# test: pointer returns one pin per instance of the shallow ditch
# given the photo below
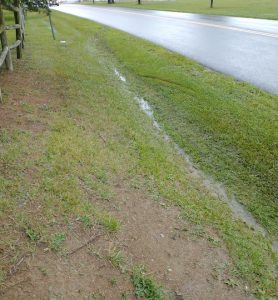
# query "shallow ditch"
(217, 189)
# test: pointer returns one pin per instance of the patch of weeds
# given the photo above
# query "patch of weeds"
(113, 282)
(26, 107)
(170, 177)
(145, 286)
(219, 271)
(190, 215)
(44, 107)
(136, 182)
(106, 195)
(262, 294)
(101, 175)
(86, 221)
(231, 282)
(198, 232)
(116, 258)
(110, 223)
(214, 242)
(25, 197)
(32, 234)
(56, 241)
(156, 196)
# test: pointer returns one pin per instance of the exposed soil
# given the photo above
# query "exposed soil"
(178, 255)
(187, 267)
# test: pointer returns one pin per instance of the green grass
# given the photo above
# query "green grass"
(96, 138)
(265, 9)
(57, 241)
(229, 128)
(144, 286)
(87, 222)
(116, 258)
(32, 234)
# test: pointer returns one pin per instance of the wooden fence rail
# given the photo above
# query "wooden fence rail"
(19, 27)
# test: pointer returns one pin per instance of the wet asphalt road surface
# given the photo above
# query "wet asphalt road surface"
(244, 48)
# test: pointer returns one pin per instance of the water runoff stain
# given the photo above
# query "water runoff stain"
(217, 189)
(119, 75)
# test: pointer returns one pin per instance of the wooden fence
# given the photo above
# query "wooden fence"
(19, 26)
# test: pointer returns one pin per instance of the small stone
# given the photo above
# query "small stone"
(162, 235)
(169, 270)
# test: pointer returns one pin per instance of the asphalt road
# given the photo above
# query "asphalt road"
(244, 48)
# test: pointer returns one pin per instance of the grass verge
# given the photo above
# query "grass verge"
(265, 9)
(228, 128)
(94, 136)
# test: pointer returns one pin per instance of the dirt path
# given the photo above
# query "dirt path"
(177, 255)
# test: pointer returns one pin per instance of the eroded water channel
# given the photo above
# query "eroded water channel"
(217, 189)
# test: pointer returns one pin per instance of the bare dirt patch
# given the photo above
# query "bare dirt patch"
(24, 97)
(27, 98)
(185, 264)
(81, 275)
(177, 254)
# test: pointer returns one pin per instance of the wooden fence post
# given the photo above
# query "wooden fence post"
(18, 31)
(4, 42)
